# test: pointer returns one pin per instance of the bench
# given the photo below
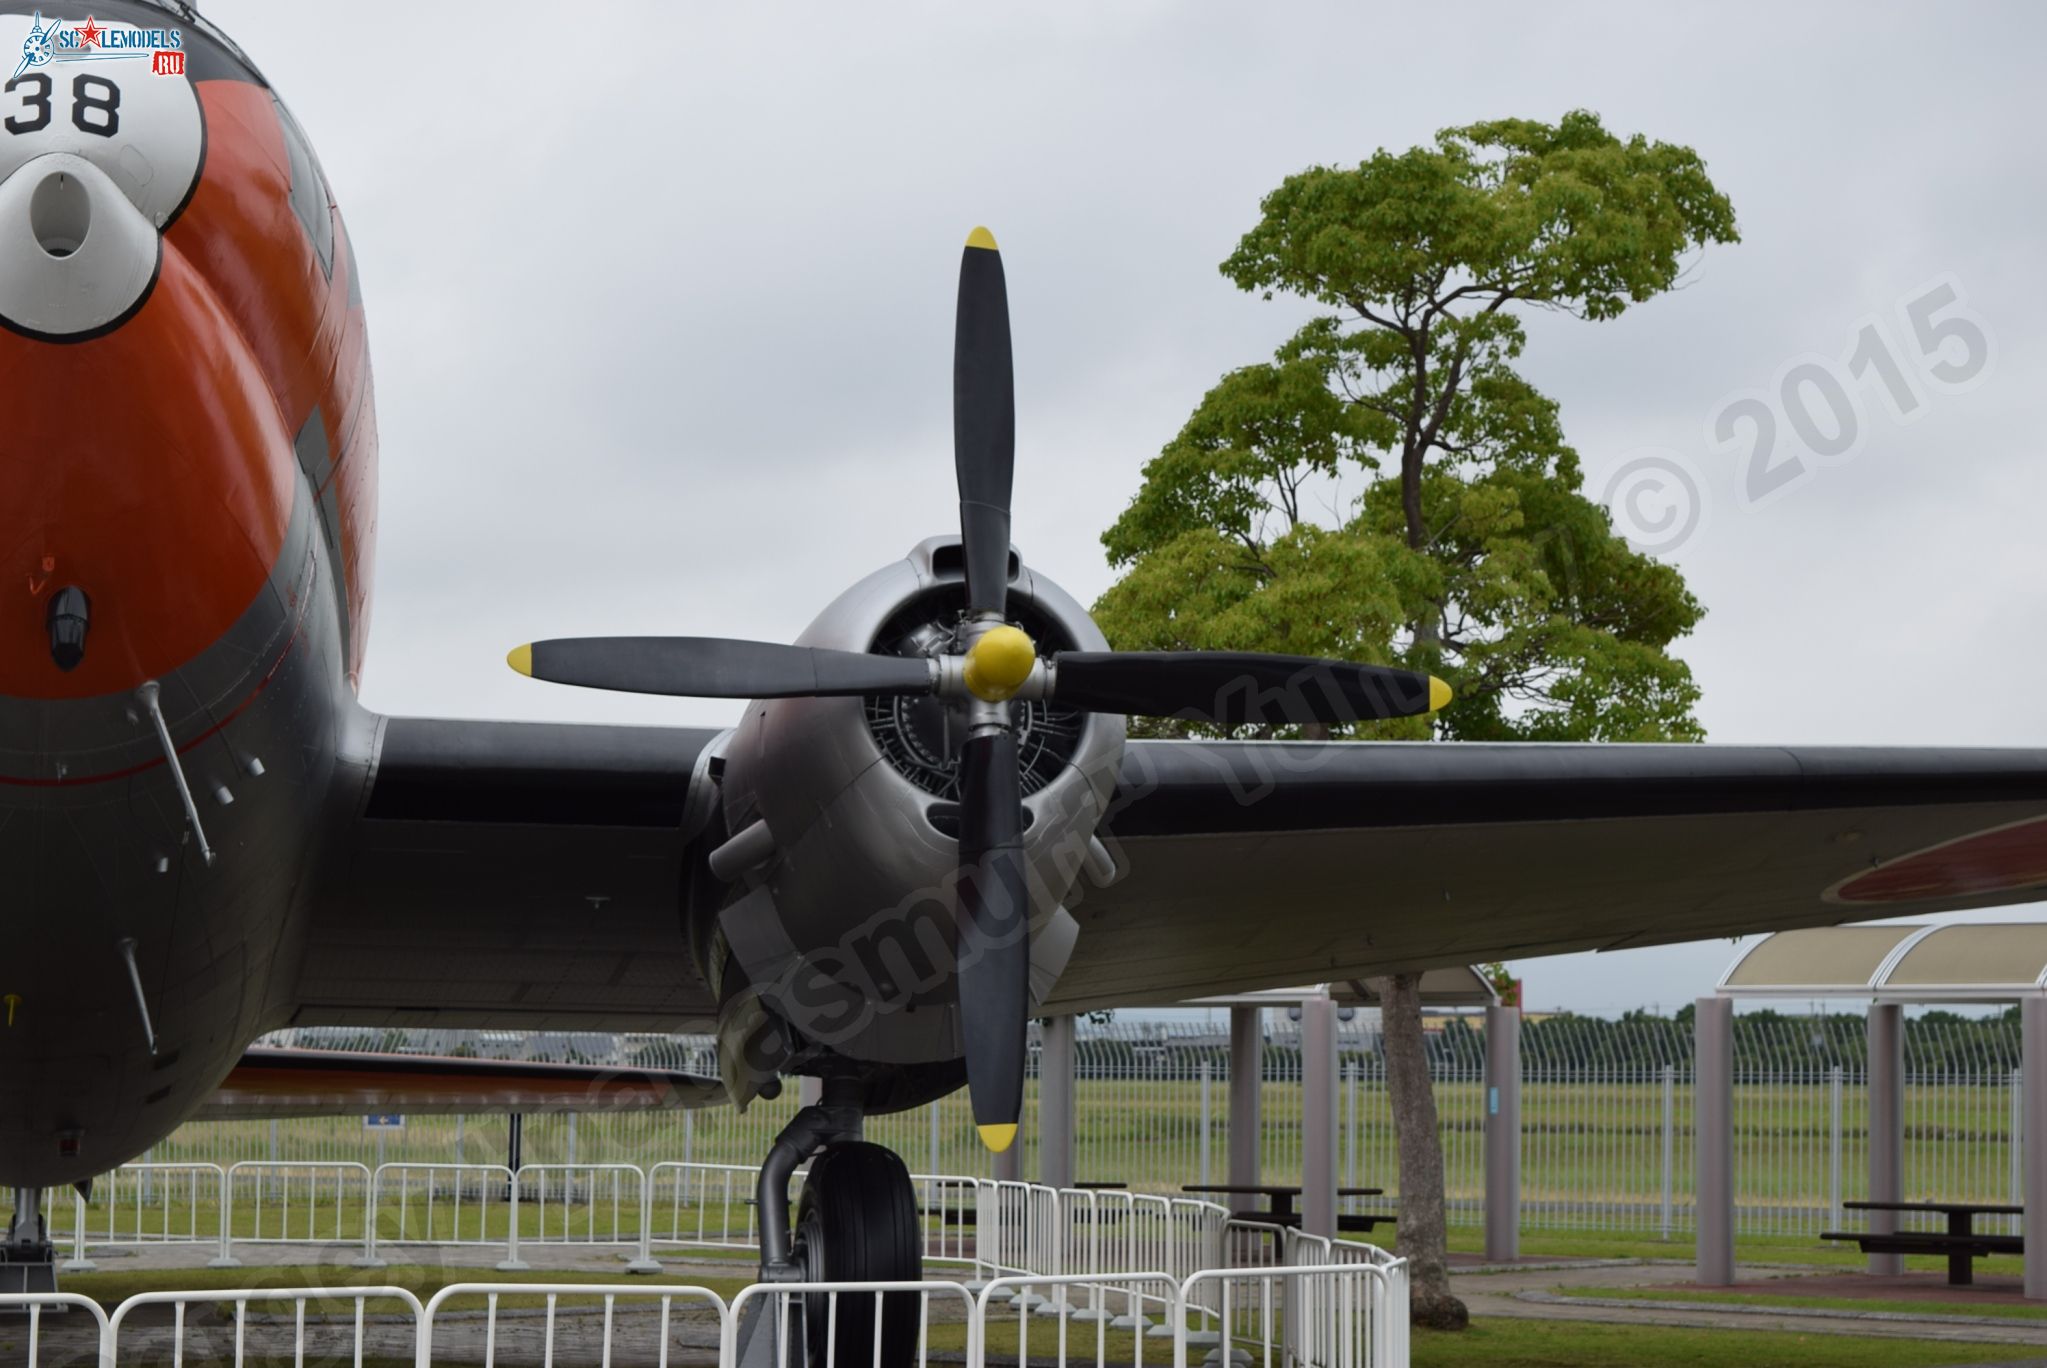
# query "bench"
(1958, 1249)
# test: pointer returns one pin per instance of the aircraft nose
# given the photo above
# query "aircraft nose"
(76, 257)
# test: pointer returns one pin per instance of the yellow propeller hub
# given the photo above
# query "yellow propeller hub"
(999, 663)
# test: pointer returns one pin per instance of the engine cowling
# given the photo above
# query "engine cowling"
(836, 942)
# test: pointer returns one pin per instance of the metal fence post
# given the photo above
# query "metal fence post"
(1207, 1071)
(572, 1138)
(226, 1258)
(1350, 1123)
(512, 1263)
(646, 1262)
(1669, 1142)
(932, 1108)
(1834, 1146)
(369, 1257)
(2015, 1147)
(78, 1263)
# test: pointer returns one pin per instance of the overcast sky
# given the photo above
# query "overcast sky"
(661, 301)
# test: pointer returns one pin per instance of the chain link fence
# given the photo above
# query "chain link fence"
(1606, 1115)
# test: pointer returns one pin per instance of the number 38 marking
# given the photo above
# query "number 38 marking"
(95, 104)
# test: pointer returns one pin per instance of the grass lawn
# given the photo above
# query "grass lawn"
(1584, 1143)
(1496, 1343)
(1580, 1344)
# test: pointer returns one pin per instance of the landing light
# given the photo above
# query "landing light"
(69, 616)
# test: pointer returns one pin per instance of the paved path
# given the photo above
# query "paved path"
(1528, 1294)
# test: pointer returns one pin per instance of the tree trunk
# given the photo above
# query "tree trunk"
(1423, 1235)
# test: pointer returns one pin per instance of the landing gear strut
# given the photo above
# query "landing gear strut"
(27, 1260)
(856, 1222)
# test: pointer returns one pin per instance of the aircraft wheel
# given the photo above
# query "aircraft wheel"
(857, 1222)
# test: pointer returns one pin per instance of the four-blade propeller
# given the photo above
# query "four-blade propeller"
(998, 663)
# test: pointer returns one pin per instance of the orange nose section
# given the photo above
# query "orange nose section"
(146, 466)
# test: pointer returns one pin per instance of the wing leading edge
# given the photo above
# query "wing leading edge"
(273, 1082)
(1251, 865)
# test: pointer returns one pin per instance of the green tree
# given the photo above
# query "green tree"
(1453, 532)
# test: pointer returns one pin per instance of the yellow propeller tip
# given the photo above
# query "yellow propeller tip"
(983, 239)
(998, 1138)
(520, 658)
(1439, 694)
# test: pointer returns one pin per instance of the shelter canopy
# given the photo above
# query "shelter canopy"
(1900, 962)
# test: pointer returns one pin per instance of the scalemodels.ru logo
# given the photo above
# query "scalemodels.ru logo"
(94, 42)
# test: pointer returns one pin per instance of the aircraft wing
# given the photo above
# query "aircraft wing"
(1251, 865)
(280, 1082)
(513, 875)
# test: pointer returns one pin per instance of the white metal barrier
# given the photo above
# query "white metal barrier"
(444, 1205)
(950, 1209)
(786, 1307)
(552, 1295)
(143, 1204)
(271, 1337)
(35, 1304)
(1088, 1314)
(701, 1206)
(1309, 1301)
(585, 1204)
(289, 1203)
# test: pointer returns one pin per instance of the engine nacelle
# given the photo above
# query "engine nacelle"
(838, 940)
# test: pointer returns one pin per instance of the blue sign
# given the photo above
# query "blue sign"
(383, 1123)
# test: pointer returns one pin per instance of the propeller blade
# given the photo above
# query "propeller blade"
(1242, 688)
(718, 667)
(994, 934)
(983, 423)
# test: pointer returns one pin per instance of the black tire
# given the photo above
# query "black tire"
(857, 1222)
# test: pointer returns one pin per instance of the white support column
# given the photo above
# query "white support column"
(1886, 1125)
(1055, 1104)
(809, 1091)
(1713, 1140)
(1247, 1068)
(1318, 1116)
(2033, 1154)
(1503, 1134)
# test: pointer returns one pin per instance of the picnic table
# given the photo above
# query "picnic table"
(1281, 1196)
(1959, 1242)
